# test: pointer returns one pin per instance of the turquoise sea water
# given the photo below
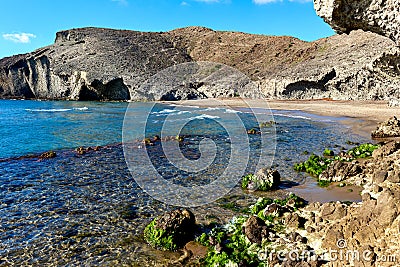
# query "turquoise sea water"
(36, 126)
(87, 209)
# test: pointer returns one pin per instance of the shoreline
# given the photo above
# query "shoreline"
(362, 116)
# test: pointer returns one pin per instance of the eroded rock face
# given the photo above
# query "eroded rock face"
(338, 171)
(389, 128)
(357, 66)
(382, 17)
(105, 64)
(88, 64)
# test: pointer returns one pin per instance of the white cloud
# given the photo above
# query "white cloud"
(121, 2)
(184, 3)
(23, 37)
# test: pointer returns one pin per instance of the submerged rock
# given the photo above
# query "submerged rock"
(253, 131)
(48, 155)
(81, 150)
(171, 230)
(389, 128)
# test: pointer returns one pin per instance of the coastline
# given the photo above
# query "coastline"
(131, 204)
(361, 116)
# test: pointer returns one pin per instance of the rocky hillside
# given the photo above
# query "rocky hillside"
(105, 64)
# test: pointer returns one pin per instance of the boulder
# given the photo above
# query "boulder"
(389, 128)
(255, 230)
(265, 179)
(377, 16)
(273, 209)
(386, 150)
(338, 171)
(394, 102)
(171, 230)
(333, 211)
(293, 220)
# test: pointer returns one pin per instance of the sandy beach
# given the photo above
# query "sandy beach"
(362, 116)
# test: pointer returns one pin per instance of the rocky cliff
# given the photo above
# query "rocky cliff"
(105, 64)
(89, 64)
(379, 16)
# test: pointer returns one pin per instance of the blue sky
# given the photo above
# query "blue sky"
(26, 25)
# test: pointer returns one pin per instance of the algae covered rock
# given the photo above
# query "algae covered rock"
(315, 165)
(265, 179)
(254, 239)
(171, 230)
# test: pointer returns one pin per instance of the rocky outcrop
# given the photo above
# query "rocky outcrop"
(105, 64)
(171, 230)
(88, 64)
(377, 16)
(255, 230)
(371, 226)
(394, 102)
(339, 171)
(359, 65)
(389, 128)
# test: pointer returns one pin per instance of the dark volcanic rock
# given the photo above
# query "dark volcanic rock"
(105, 64)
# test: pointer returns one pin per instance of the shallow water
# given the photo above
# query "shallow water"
(87, 209)
(36, 126)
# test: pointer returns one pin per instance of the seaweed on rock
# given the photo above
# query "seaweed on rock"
(245, 240)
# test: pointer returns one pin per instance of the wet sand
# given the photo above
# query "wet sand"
(362, 116)
(312, 192)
